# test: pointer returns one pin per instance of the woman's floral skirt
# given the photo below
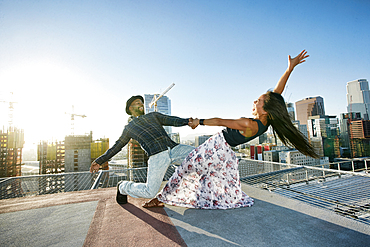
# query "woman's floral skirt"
(208, 178)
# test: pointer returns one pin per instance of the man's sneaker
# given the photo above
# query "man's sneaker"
(121, 199)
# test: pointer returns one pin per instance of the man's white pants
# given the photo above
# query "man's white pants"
(157, 166)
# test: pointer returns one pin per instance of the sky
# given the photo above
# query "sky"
(221, 55)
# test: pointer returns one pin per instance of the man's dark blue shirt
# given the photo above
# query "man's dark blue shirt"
(148, 131)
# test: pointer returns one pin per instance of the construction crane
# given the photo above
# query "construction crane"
(157, 97)
(73, 119)
(11, 108)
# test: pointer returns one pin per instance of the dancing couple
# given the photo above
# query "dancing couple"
(208, 177)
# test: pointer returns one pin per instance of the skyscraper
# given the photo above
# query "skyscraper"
(163, 106)
(358, 97)
(307, 107)
(324, 135)
(290, 109)
(301, 127)
(345, 119)
(323, 126)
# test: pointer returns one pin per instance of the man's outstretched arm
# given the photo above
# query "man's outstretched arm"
(120, 143)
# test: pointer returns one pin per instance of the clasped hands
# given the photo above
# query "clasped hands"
(193, 123)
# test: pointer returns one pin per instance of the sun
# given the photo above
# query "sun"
(41, 94)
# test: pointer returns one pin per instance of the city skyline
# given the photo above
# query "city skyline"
(221, 56)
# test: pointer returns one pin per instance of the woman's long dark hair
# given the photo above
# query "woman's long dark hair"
(278, 117)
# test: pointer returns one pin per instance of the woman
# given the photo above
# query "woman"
(208, 178)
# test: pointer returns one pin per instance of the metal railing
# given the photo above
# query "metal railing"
(344, 192)
(13, 187)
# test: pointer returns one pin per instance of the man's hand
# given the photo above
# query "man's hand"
(193, 123)
(94, 167)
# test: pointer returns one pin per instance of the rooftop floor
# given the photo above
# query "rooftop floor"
(93, 218)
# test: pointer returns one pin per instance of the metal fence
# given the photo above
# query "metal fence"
(13, 187)
(344, 192)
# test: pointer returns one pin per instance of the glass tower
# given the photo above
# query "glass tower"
(358, 97)
(309, 107)
(163, 106)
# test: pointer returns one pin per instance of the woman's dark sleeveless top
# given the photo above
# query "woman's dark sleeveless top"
(234, 138)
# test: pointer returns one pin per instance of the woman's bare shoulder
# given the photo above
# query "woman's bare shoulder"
(250, 127)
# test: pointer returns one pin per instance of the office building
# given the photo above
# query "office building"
(256, 152)
(358, 97)
(324, 135)
(359, 134)
(360, 147)
(271, 155)
(301, 127)
(360, 129)
(345, 119)
(297, 158)
(324, 126)
(309, 107)
(290, 109)
(163, 106)
(199, 140)
(355, 135)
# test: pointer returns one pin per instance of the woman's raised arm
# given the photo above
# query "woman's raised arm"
(292, 62)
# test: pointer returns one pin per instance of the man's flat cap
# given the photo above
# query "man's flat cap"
(132, 99)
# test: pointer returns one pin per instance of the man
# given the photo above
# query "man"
(148, 130)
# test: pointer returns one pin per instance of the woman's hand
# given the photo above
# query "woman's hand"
(292, 62)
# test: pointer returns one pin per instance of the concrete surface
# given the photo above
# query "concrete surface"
(64, 225)
(267, 224)
(93, 218)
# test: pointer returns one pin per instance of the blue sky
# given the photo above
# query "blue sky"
(221, 55)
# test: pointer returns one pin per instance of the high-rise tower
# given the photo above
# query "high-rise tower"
(307, 107)
(290, 109)
(163, 106)
(358, 97)
(324, 135)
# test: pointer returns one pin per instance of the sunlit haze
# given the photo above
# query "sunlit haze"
(221, 55)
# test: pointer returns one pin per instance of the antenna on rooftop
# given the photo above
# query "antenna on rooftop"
(156, 97)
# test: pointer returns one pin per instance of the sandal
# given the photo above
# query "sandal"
(153, 203)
